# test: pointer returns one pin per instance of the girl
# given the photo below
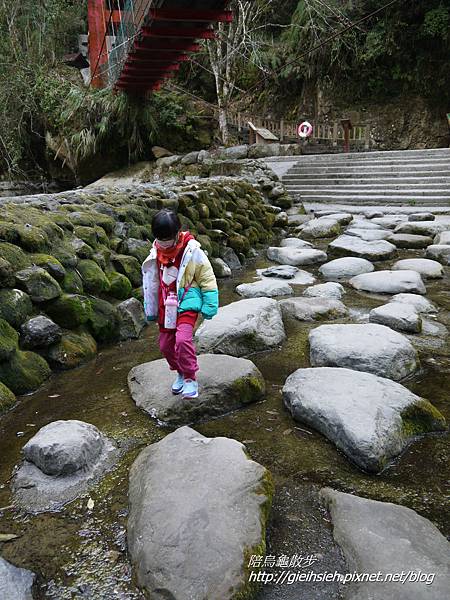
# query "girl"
(178, 269)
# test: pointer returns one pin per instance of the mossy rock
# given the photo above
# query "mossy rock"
(137, 248)
(252, 235)
(81, 249)
(105, 222)
(38, 284)
(205, 241)
(104, 323)
(128, 266)
(50, 264)
(94, 280)
(84, 219)
(74, 349)
(9, 340)
(65, 253)
(16, 257)
(132, 213)
(239, 243)
(114, 243)
(138, 293)
(24, 372)
(62, 221)
(33, 238)
(87, 234)
(7, 278)
(15, 306)
(223, 224)
(284, 201)
(120, 286)
(70, 310)
(72, 283)
(203, 210)
(7, 398)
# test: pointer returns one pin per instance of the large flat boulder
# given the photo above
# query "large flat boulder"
(389, 282)
(62, 461)
(368, 347)
(429, 228)
(198, 510)
(312, 309)
(440, 252)
(267, 288)
(325, 290)
(324, 227)
(369, 235)
(442, 238)
(371, 419)
(398, 316)
(429, 269)
(296, 256)
(409, 240)
(242, 327)
(225, 384)
(15, 583)
(296, 243)
(380, 537)
(293, 274)
(350, 245)
(345, 268)
(421, 304)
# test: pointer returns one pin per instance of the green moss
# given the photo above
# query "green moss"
(239, 243)
(72, 282)
(138, 294)
(24, 372)
(70, 310)
(38, 284)
(15, 256)
(120, 286)
(104, 322)
(7, 398)
(65, 253)
(74, 349)
(9, 339)
(87, 234)
(128, 266)
(205, 241)
(249, 389)
(15, 306)
(50, 264)
(422, 417)
(266, 489)
(94, 280)
(62, 221)
(7, 278)
(85, 219)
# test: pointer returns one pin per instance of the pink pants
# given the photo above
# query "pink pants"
(178, 348)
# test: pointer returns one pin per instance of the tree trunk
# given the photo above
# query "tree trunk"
(223, 126)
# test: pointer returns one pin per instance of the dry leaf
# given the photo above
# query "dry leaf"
(7, 537)
(55, 396)
(287, 431)
(90, 504)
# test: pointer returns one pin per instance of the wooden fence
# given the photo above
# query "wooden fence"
(287, 130)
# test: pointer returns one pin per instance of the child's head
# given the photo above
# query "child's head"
(166, 225)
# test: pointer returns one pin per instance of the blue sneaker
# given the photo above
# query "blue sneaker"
(190, 389)
(177, 386)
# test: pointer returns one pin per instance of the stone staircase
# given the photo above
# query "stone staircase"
(409, 177)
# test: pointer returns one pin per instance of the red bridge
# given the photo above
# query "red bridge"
(134, 45)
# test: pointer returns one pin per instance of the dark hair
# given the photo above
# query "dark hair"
(165, 224)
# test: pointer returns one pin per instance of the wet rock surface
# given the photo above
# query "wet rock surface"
(398, 316)
(312, 309)
(15, 583)
(296, 256)
(196, 504)
(350, 245)
(345, 268)
(389, 282)
(225, 384)
(268, 288)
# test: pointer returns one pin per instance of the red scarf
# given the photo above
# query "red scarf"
(168, 255)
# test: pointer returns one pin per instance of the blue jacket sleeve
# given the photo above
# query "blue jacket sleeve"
(210, 304)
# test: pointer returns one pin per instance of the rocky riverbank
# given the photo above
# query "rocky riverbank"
(70, 263)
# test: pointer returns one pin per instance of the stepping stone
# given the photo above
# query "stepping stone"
(369, 235)
(286, 272)
(344, 268)
(439, 252)
(423, 216)
(429, 228)
(374, 214)
(324, 227)
(389, 282)
(296, 256)
(265, 288)
(442, 239)
(242, 328)
(408, 240)
(390, 222)
(429, 269)
(325, 290)
(62, 461)
(226, 383)
(198, 507)
(15, 583)
(311, 309)
(421, 304)
(368, 347)
(342, 218)
(364, 224)
(398, 316)
(350, 245)
(388, 538)
(369, 418)
(296, 243)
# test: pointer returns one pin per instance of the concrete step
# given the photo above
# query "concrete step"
(400, 187)
(370, 156)
(444, 160)
(370, 169)
(442, 181)
(366, 192)
(379, 200)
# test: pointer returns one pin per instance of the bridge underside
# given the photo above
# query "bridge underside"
(167, 32)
